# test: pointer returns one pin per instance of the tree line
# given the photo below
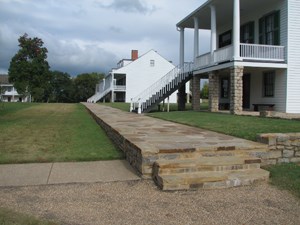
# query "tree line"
(30, 73)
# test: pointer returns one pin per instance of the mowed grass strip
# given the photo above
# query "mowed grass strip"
(52, 133)
(9, 217)
(286, 176)
(246, 127)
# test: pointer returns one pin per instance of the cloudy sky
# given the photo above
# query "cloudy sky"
(93, 35)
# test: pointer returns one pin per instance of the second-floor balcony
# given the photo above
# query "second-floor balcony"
(248, 52)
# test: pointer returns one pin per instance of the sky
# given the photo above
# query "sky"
(93, 35)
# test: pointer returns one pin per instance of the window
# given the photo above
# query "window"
(152, 63)
(247, 33)
(225, 39)
(224, 88)
(268, 84)
(269, 29)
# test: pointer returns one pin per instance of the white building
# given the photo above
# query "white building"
(254, 57)
(8, 91)
(132, 77)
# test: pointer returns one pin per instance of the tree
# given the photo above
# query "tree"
(62, 87)
(29, 69)
(85, 85)
(204, 91)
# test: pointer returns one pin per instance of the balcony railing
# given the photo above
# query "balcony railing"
(119, 87)
(255, 52)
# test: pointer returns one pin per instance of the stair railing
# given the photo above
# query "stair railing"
(179, 73)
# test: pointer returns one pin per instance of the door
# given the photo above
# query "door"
(246, 91)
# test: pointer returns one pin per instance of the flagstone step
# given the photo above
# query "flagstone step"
(210, 179)
(171, 155)
(205, 164)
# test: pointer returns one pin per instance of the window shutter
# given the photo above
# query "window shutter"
(251, 31)
(261, 31)
(277, 28)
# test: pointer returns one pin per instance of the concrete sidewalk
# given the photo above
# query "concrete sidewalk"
(66, 172)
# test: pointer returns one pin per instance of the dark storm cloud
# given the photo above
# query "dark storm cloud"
(86, 36)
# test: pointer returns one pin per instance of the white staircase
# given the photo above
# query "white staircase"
(102, 89)
(161, 89)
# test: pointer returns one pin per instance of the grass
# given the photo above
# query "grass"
(246, 127)
(51, 133)
(9, 217)
(286, 177)
(173, 106)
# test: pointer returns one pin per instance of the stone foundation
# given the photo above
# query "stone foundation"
(236, 89)
(214, 90)
(196, 93)
(284, 148)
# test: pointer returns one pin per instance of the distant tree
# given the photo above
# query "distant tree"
(204, 91)
(62, 87)
(29, 69)
(85, 85)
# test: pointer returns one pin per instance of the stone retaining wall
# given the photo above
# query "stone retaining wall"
(284, 148)
(132, 153)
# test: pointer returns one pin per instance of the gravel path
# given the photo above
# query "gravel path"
(140, 202)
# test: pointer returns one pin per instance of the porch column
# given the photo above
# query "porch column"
(112, 88)
(213, 21)
(236, 89)
(181, 50)
(196, 38)
(196, 93)
(181, 89)
(214, 91)
(236, 29)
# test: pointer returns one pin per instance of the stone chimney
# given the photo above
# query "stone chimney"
(134, 54)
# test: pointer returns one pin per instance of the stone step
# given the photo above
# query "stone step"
(171, 155)
(205, 164)
(210, 180)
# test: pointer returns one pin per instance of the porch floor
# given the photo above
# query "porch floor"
(155, 148)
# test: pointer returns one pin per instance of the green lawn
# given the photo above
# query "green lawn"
(51, 132)
(286, 176)
(9, 217)
(173, 106)
(246, 127)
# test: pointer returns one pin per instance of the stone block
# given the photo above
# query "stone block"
(295, 160)
(288, 153)
(297, 154)
(284, 160)
(273, 155)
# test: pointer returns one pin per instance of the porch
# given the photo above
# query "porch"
(248, 52)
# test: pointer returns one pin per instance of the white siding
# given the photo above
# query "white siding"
(293, 82)
(256, 92)
(140, 74)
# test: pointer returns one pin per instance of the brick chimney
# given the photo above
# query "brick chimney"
(134, 54)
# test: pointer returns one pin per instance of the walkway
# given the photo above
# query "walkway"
(147, 141)
(68, 172)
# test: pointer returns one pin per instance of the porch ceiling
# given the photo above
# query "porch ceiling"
(224, 11)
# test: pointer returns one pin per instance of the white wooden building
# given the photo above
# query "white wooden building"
(254, 57)
(132, 77)
(9, 92)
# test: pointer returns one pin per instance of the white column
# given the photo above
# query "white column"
(213, 21)
(236, 29)
(181, 52)
(196, 38)
(112, 88)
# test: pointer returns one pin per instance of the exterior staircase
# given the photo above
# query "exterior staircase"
(162, 89)
(209, 170)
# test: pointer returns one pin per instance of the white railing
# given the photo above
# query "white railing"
(162, 86)
(262, 52)
(119, 87)
(223, 54)
(103, 88)
(247, 51)
(202, 60)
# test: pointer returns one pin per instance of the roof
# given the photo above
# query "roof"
(224, 11)
(4, 79)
